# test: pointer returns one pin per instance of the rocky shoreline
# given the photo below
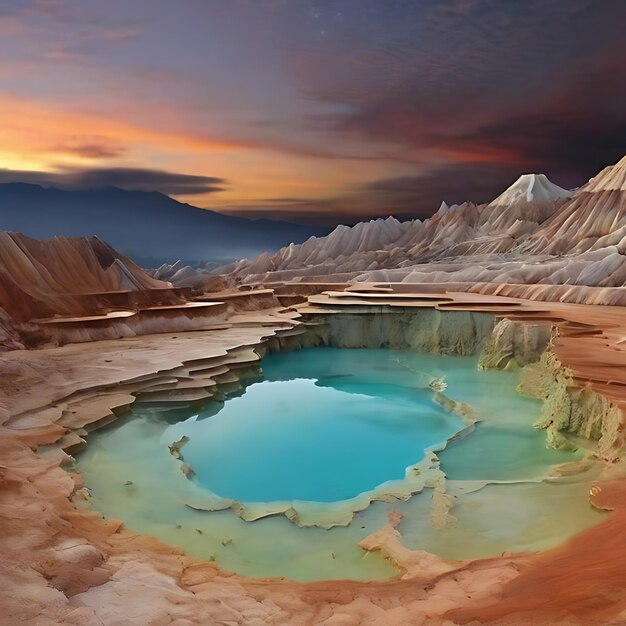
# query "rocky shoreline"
(64, 564)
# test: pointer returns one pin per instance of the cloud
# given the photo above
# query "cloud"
(535, 84)
(571, 134)
(90, 149)
(80, 29)
(170, 183)
(35, 126)
(121, 32)
(405, 197)
(420, 196)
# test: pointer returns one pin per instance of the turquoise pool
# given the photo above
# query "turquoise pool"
(359, 423)
(325, 427)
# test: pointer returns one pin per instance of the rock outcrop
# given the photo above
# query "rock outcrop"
(67, 290)
(71, 276)
(570, 409)
(594, 219)
(423, 330)
(515, 344)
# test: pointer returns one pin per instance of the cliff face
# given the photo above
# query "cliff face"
(425, 330)
(571, 409)
(515, 344)
(568, 407)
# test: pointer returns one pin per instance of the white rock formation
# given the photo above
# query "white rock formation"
(534, 232)
(529, 201)
(593, 219)
(531, 188)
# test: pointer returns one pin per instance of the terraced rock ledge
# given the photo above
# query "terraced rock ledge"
(65, 564)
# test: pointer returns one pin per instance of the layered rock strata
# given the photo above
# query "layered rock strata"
(69, 290)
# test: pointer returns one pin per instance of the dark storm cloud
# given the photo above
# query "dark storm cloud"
(495, 88)
(145, 179)
(170, 183)
(420, 196)
(571, 135)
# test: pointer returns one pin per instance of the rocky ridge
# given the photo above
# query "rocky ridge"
(534, 233)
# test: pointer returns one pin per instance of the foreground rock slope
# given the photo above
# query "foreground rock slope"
(67, 565)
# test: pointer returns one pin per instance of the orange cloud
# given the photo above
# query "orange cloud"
(39, 136)
(35, 131)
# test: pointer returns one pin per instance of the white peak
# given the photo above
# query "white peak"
(531, 188)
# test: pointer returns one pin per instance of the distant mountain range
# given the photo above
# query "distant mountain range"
(149, 227)
(533, 234)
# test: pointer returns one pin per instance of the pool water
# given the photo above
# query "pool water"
(320, 440)
(325, 425)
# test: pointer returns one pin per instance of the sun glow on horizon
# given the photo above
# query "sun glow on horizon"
(263, 105)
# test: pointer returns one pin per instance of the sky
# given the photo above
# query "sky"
(318, 111)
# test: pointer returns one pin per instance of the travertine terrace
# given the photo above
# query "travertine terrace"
(78, 568)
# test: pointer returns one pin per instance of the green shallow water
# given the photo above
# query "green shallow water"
(326, 424)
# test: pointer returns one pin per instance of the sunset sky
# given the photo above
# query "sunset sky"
(320, 111)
